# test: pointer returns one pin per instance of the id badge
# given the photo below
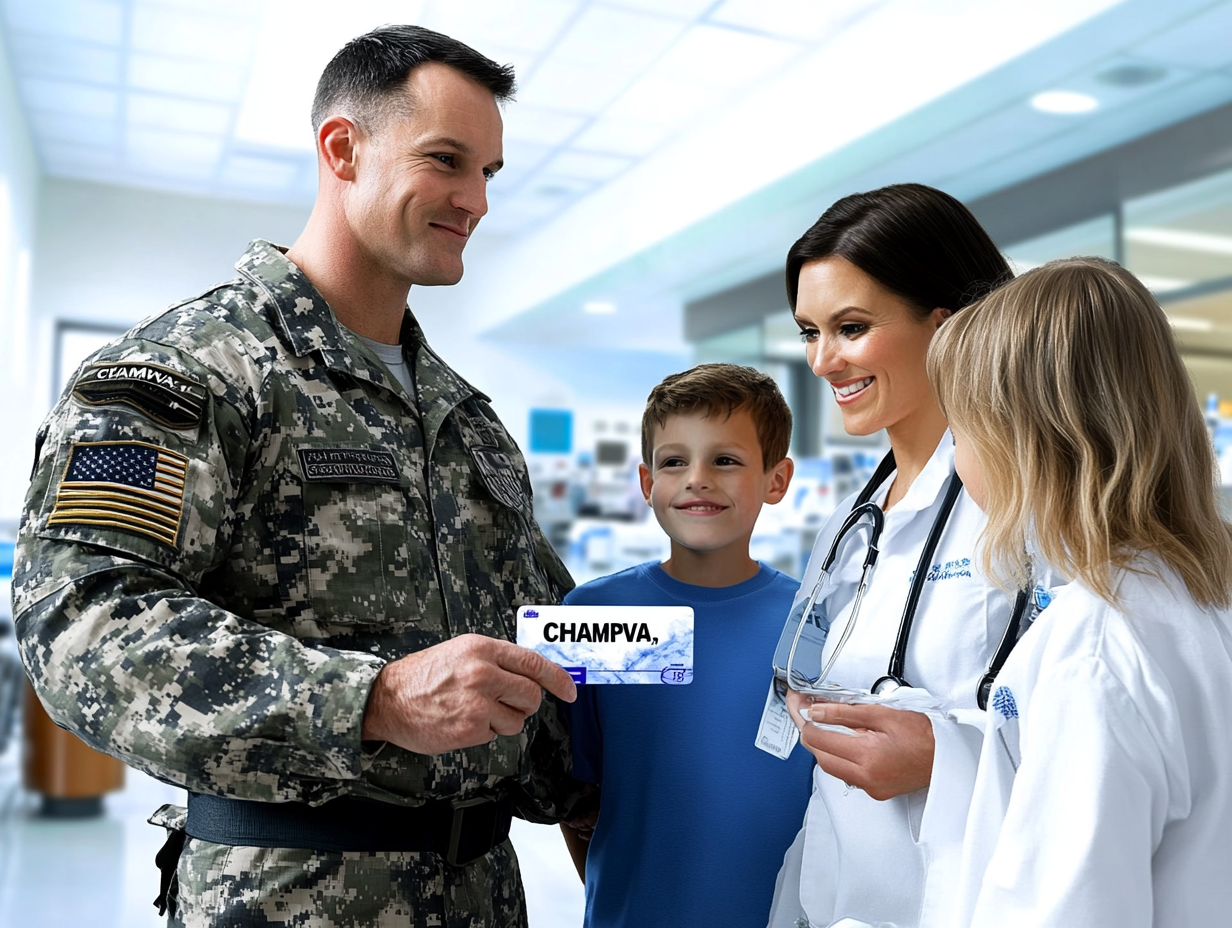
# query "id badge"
(613, 644)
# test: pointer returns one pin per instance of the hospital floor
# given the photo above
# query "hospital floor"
(99, 873)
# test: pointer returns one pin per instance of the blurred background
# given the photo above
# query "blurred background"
(661, 157)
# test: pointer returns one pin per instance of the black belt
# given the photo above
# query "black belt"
(460, 831)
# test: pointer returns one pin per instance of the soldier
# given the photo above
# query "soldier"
(273, 546)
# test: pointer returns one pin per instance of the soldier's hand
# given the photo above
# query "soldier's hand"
(460, 693)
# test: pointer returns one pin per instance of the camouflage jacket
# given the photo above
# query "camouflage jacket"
(237, 516)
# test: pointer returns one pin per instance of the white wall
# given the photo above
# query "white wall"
(19, 190)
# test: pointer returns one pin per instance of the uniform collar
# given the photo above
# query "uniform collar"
(926, 489)
(309, 326)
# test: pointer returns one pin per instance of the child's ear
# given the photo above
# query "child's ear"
(646, 479)
(780, 480)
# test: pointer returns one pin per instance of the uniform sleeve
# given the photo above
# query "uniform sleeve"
(1085, 812)
(133, 500)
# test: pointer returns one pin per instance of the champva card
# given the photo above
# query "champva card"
(613, 644)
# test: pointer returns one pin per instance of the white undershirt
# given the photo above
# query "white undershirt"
(393, 358)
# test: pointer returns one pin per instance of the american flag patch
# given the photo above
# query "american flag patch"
(123, 484)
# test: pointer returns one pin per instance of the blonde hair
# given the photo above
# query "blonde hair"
(1069, 387)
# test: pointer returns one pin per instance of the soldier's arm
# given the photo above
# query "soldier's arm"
(119, 646)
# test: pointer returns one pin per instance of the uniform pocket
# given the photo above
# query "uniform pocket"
(355, 524)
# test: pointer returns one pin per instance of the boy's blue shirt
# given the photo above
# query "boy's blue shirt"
(694, 819)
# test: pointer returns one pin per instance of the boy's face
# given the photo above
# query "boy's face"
(706, 482)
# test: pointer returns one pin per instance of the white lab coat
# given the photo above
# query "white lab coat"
(897, 861)
(1104, 794)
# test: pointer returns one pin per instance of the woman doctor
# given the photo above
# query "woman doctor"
(869, 284)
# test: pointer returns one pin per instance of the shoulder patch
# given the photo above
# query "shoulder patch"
(166, 396)
(129, 485)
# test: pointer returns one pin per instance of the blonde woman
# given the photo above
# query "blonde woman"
(1104, 792)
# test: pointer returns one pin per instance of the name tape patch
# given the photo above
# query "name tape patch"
(166, 396)
(129, 485)
(351, 465)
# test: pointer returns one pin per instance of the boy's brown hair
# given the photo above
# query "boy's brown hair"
(720, 390)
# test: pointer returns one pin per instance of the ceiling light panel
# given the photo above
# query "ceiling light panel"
(521, 160)
(68, 159)
(534, 124)
(90, 20)
(201, 80)
(528, 24)
(574, 87)
(668, 102)
(586, 165)
(258, 173)
(62, 127)
(725, 57)
(189, 34)
(617, 40)
(677, 9)
(631, 137)
(69, 97)
(296, 41)
(794, 19)
(39, 56)
(239, 9)
(178, 114)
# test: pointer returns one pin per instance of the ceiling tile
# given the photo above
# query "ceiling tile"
(677, 9)
(64, 158)
(251, 10)
(99, 21)
(725, 57)
(562, 85)
(619, 40)
(188, 34)
(533, 124)
(585, 165)
(668, 102)
(623, 136)
(530, 25)
(264, 173)
(178, 153)
(42, 56)
(794, 19)
(177, 113)
(521, 160)
(69, 97)
(75, 128)
(201, 80)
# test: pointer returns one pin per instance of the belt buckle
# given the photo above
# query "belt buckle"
(462, 837)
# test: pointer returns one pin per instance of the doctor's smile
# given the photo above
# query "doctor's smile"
(848, 390)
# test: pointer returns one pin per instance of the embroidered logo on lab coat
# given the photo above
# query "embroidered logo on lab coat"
(1003, 702)
(950, 570)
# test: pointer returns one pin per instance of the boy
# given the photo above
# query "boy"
(695, 819)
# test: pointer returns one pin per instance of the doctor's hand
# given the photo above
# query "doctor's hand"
(889, 753)
(461, 692)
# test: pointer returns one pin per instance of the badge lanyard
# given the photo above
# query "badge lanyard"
(894, 676)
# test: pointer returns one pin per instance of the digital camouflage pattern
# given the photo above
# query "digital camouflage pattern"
(329, 523)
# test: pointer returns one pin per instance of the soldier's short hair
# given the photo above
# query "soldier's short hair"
(362, 80)
(720, 390)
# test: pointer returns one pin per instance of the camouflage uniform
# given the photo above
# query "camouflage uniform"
(237, 517)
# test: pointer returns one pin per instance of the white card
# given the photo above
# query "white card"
(613, 644)
(777, 734)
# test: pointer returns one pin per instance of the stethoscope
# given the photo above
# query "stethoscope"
(894, 677)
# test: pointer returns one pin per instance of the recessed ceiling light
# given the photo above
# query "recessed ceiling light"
(599, 307)
(1065, 102)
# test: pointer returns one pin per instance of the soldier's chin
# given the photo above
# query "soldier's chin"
(440, 276)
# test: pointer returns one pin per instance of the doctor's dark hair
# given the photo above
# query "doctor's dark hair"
(362, 80)
(917, 242)
(720, 390)
(1068, 386)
